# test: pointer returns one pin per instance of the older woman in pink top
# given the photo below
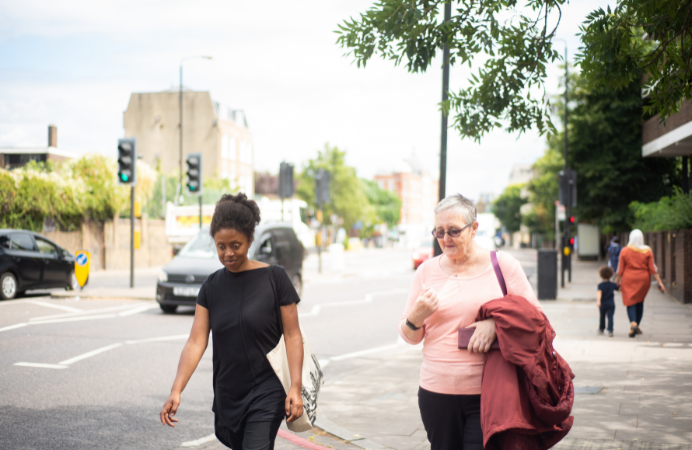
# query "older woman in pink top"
(446, 294)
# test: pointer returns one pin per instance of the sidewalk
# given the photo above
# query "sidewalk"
(632, 393)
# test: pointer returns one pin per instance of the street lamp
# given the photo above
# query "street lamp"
(180, 104)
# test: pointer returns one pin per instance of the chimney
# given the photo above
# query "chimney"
(52, 136)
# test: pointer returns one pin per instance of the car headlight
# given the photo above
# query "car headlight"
(163, 276)
(416, 256)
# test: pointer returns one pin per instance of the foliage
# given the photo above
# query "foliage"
(506, 207)
(516, 52)
(386, 203)
(669, 213)
(641, 38)
(66, 193)
(214, 188)
(543, 188)
(605, 149)
(348, 198)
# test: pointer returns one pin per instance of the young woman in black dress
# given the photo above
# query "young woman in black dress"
(237, 304)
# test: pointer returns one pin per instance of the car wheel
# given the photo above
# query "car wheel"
(74, 284)
(168, 309)
(8, 286)
(297, 283)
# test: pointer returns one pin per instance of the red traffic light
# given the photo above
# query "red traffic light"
(571, 219)
(571, 241)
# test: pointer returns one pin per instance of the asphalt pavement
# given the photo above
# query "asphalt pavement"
(93, 373)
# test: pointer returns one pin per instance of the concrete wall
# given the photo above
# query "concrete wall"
(109, 243)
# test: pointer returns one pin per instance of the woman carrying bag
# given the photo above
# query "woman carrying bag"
(238, 304)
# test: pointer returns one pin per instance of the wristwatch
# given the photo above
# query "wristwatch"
(411, 326)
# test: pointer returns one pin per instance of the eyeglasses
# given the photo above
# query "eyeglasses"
(453, 233)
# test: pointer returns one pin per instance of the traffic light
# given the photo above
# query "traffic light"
(571, 242)
(568, 187)
(194, 173)
(127, 161)
(571, 219)
(322, 187)
(285, 180)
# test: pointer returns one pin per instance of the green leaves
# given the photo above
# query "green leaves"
(517, 51)
(507, 207)
(641, 39)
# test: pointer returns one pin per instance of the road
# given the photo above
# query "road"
(93, 374)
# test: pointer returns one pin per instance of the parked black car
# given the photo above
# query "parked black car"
(181, 279)
(31, 261)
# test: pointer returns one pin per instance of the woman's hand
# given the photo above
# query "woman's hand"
(294, 404)
(426, 304)
(483, 337)
(169, 409)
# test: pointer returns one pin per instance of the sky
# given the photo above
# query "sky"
(74, 64)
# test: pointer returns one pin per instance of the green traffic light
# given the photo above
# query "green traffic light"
(124, 177)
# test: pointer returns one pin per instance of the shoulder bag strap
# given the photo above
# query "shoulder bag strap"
(498, 272)
(276, 301)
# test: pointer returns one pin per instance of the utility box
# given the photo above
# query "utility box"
(588, 241)
(547, 274)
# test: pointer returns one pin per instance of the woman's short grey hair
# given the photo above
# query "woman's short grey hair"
(460, 204)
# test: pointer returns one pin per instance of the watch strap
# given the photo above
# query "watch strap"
(412, 326)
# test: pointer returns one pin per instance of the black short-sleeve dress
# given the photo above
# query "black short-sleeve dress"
(244, 328)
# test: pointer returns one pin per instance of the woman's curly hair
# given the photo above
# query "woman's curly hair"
(236, 212)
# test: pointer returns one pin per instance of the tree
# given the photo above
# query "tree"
(507, 207)
(386, 203)
(517, 50)
(605, 150)
(348, 199)
(543, 188)
(641, 38)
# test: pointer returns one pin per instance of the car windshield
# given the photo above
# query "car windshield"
(200, 246)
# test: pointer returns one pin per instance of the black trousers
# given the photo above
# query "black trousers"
(252, 436)
(452, 422)
(606, 311)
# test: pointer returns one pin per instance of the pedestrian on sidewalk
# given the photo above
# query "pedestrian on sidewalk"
(634, 278)
(446, 295)
(613, 251)
(605, 299)
(237, 304)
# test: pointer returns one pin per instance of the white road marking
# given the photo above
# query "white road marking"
(313, 312)
(86, 355)
(12, 327)
(75, 319)
(82, 313)
(324, 362)
(42, 366)
(51, 305)
(138, 310)
(199, 442)
(159, 339)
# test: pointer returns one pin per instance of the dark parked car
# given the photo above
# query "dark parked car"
(31, 261)
(181, 279)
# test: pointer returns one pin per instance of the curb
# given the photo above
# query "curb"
(299, 441)
(348, 436)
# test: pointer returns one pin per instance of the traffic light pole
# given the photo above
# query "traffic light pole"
(132, 237)
(200, 212)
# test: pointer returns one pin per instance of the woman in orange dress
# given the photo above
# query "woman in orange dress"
(634, 278)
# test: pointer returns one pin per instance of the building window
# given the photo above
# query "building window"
(224, 147)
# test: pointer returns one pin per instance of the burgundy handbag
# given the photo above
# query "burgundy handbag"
(466, 333)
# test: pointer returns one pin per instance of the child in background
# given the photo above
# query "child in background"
(605, 299)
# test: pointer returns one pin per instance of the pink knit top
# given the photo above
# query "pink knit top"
(446, 369)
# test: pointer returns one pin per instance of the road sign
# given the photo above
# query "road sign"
(81, 267)
(561, 213)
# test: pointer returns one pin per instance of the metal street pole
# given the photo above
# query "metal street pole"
(200, 212)
(566, 258)
(443, 133)
(132, 236)
(180, 107)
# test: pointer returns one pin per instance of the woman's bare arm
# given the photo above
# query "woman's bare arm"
(294, 351)
(189, 359)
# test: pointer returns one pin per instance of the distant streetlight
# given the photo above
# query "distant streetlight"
(180, 104)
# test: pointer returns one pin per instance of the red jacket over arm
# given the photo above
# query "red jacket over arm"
(527, 392)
